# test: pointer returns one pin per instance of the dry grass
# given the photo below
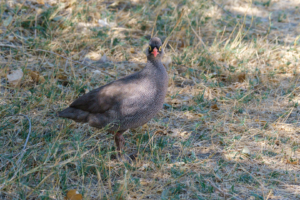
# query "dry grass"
(230, 125)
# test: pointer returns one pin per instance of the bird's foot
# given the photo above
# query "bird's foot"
(133, 156)
(124, 158)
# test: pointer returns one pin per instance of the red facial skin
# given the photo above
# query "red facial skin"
(155, 52)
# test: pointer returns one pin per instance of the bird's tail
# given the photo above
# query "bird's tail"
(74, 114)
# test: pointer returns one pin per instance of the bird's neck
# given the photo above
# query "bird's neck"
(155, 62)
(156, 68)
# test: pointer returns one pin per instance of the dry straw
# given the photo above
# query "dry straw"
(230, 124)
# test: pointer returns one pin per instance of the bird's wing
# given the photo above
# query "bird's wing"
(104, 98)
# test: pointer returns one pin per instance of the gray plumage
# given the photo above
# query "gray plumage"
(128, 102)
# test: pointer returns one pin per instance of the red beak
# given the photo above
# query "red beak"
(155, 52)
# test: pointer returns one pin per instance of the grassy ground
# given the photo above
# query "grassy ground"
(230, 124)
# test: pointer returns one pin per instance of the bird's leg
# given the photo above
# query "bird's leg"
(119, 140)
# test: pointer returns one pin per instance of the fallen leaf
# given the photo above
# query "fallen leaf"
(159, 191)
(160, 132)
(215, 107)
(242, 77)
(246, 151)
(198, 114)
(292, 162)
(73, 195)
(36, 77)
(132, 50)
(15, 77)
(62, 76)
(40, 2)
(93, 56)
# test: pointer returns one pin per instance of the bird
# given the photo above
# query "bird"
(126, 103)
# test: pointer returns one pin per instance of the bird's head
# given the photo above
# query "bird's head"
(155, 49)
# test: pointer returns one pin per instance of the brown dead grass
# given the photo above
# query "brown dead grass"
(230, 126)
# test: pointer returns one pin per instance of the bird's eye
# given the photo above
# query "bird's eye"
(150, 48)
(159, 48)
